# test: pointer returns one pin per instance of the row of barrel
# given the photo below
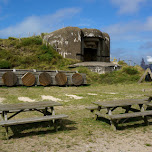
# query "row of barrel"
(15, 77)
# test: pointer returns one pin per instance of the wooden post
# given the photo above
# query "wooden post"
(6, 127)
(142, 109)
(77, 79)
(45, 111)
(55, 125)
(9, 78)
(113, 124)
(1, 117)
(53, 113)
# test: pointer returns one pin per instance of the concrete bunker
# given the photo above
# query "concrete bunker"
(83, 44)
(90, 46)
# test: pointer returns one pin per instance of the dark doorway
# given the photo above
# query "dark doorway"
(90, 54)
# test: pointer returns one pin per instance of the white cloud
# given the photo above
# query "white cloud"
(130, 30)
(149, 59)
(128, 6)
(37, 24)
(148, 24)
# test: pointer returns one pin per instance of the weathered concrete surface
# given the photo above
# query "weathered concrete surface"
(99, 67)
(82, 44)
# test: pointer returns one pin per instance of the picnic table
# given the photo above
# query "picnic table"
(8, 111)
(127, 104)
(150, 99)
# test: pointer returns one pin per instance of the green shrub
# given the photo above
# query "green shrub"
(12, 38)
(31, 41)
(5, 54)
(46, 57)
(91, 76)
(125, 75)
(130, 70)
(122, 63)
(5, 64)
(46, 53)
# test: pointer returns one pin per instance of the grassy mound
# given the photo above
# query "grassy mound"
(29, 53)
(127, 74)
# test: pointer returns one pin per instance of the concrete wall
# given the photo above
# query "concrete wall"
(70, 42)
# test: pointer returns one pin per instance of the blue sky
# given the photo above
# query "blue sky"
(128, 22)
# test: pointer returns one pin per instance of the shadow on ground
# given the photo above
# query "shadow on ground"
(128, 123)
(41, 129)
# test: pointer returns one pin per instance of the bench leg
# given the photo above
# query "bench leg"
(55, 123)
(6, 128)
(127, 109)
(1, 118)
(113, 125)
(62, 126)
(96, 117)
(53, 113)
(46, 112)
(146, 121)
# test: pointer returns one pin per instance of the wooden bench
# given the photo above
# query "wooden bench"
(31, 120)
(149, 104)
(92, 108)
(114, 119)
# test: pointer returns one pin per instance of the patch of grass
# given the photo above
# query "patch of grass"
(92, 77)
(4, 64)
(125, 75)
(149, 145)
(80, 126)
(31, 41)
(30, 53)
(130, 70)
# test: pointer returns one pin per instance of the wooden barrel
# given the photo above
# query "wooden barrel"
(28, 79)
(77, 79)
(61, 79)
(45, 79)
(9, 78)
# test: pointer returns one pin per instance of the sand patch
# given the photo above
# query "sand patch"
(1, 100)
(74, 96)
(110, 93)
(113, 93)
(50, 98)
(26, 99)
(92, 94)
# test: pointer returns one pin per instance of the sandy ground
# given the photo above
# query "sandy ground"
(50, 98)
(134, 140)
(1, 100)
(92, 94)
(26, 99)
(44, 97)
(131, 142)
(74, 96)
(100, 140)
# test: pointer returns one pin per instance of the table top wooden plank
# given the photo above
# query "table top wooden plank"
(121, 103)
(131, 115)
(149, 104)
(148, 95)
(31, 120)
(33, 105)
